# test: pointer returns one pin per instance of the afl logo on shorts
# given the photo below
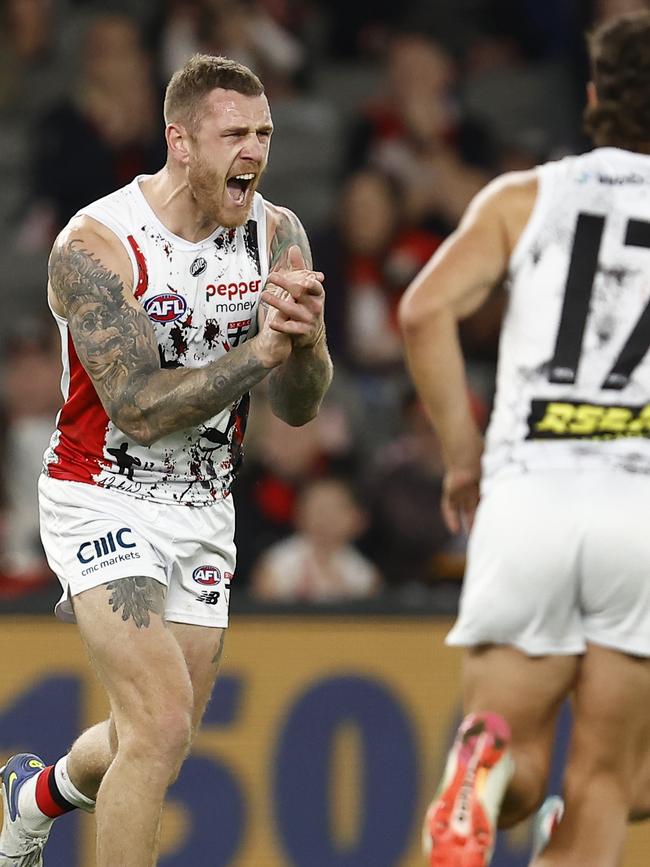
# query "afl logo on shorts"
(207, 575)
(198, 266)
(166, 308)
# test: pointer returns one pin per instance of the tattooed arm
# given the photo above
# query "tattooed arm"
(91, 286)
(297, 387)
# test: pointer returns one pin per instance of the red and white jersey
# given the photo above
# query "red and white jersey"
(201, 299)
(573, 381)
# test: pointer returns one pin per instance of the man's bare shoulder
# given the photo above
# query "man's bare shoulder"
(511, 190)
(88, 231)
(84, 238)
(510, 199)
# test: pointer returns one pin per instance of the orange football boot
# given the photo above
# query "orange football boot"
(460, 824)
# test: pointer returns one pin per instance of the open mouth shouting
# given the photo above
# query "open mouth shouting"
(239, 186)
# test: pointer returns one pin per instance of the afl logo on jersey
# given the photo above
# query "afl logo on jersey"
(198, 266)
(207, 575)
(166, 307)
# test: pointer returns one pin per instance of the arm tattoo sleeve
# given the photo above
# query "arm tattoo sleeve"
(297, 388)
(288, 232)
(138, 598)
(111, 336)
(116, 344)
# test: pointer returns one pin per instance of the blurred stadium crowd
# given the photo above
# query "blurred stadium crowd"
(389, 117)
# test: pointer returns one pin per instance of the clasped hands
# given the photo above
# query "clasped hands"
(296, 298)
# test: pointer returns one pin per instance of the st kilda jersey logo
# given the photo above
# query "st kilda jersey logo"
(237, 331)
(166, 307)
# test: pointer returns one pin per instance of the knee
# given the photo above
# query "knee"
(175, 734)
(160, 735)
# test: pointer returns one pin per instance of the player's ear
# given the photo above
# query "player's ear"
(177, 139)
(592, 94)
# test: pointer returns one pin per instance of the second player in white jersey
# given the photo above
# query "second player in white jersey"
(556, 594)
(573, 387)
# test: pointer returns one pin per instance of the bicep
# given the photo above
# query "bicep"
(112, 335)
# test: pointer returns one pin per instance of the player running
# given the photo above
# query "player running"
(556, 599)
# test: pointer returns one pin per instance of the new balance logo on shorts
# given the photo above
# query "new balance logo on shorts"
(210, 597)
(102, 547)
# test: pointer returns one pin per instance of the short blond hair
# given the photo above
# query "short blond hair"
(201, 74)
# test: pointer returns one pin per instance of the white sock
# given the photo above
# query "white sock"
(31, 816)
(68, 789)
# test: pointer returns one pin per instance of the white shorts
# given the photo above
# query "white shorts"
(556, 560)
(92, 535)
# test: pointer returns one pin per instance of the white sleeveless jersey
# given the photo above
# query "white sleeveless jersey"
(202, 301)
(573, 382)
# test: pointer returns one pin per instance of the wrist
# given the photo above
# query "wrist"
(464, 453)
(314, 342)
(267, 356)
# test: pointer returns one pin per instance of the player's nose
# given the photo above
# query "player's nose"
(254, 150)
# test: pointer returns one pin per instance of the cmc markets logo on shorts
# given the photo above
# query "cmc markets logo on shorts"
(207, 575)
(105, 545)
(198, 266)
(166, 307)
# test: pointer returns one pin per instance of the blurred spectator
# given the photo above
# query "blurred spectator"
(355, 30)
(519, 82)
(540, 30)
(249, 31)
(108, 132)
(246, 31)
(407, 536)
(279, 461)
(32, 397)
(306, 150)
(306, 154)
(30, 67)
(179, 37)
(413, 130)
(318, 563)
(32, 79)
(603, 10)
(369, 257)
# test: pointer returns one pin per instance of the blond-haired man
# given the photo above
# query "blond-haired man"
(156, 290)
